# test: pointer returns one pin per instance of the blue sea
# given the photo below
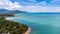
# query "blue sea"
(40, 23)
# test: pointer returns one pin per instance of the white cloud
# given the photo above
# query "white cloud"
(31, 0)
(7, 4)
(42, 7)
(43, 3)
(14, 6)
(53, 6)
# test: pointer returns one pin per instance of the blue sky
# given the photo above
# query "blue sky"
(29, 2)
(37, 2)
(31, 5)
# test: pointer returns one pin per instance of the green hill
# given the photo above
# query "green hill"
(12, 27)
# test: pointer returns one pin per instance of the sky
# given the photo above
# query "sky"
(31, 5)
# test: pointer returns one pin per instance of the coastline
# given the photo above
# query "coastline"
(29, 28)
(28, 31)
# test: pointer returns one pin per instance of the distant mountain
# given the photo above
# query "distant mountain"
(4, 11)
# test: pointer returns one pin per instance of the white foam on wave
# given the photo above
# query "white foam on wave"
(9, 18)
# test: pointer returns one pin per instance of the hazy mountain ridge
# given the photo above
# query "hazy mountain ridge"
(5, 11)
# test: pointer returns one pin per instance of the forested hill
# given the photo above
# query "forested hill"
(12, 27)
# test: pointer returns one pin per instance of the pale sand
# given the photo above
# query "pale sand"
(28, 31)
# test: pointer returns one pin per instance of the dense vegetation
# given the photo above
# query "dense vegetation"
(12, 27)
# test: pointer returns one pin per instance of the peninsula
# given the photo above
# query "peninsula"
(11, 27)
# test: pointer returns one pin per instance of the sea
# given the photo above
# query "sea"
(40, 23)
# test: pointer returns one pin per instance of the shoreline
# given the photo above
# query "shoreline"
(28, 31)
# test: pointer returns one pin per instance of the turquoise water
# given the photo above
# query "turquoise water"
(40, 23)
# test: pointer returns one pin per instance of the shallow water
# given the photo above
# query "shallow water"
(40, 23)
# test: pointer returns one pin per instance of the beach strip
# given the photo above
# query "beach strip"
(28, 31)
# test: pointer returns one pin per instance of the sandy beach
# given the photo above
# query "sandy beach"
(28, 31)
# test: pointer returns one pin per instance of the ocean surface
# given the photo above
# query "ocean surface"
(40, 23)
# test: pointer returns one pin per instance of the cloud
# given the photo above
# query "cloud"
(54, 3)
(7, 4)
(39, 2)
(40, 9)
(14, 6)
(32, 0)
(44, 6)
(31, 7)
